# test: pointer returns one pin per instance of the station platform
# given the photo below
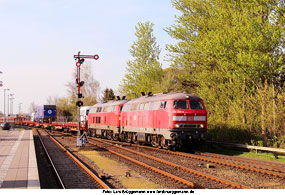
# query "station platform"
(18, 163)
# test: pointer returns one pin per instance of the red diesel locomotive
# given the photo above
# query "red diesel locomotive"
(104, 119)
(171, 120)
(168, 120)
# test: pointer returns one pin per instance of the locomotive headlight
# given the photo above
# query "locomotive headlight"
(201, 125)
(177, 125)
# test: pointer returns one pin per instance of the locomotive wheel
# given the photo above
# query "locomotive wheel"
(134, 138)
(129, 137)
(154, 141)
(163, 143)
(109, 135)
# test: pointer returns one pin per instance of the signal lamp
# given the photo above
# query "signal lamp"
(81, 60)
(80, 95)
(79, 103)
(81, 83)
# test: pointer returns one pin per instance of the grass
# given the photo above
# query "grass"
(118, 170)
(249, 154)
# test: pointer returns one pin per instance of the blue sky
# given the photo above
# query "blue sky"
(39, 38)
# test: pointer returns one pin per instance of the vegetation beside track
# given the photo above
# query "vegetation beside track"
(244, 153)
(118, 170)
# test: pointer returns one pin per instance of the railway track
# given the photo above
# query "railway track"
(177, 181)
(69, 171)
(199, 176)
(152, 157)
(202, 180)
(58, 179)
(271, 166)
(262, 167)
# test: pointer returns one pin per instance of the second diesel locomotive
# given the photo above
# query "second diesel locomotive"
(169, 120)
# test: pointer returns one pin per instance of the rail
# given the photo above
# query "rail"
(197, 173)
(97, 179)
(58, 178)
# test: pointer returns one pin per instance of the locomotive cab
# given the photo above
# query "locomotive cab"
(189, 121)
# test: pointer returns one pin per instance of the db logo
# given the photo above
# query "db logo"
(49, 111)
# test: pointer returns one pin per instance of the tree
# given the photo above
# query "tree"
(232, 52)
(33, 107)
(52, 100)
(144, 70)
(90, 89)
(173, 80)
(108, 94)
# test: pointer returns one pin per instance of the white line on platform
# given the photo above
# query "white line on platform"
(6, 164)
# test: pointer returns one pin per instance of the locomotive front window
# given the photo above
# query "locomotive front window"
(180, 104)
(196, 105)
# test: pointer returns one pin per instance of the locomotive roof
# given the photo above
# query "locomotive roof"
(110, 103)
(155, 97)
(162, 96)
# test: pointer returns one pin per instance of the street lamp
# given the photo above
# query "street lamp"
(20, 107)
(9, 105)
(4, 102)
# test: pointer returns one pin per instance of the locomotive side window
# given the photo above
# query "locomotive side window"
(180, 104)
(196, 105)
(163, 104)
(138, 107)
(127, 107)
(150, 105)
(156, 105)
(109, 109)
(134, 107)
(146, 106)
(141, 106)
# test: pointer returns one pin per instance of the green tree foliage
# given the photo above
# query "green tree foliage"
(64, 107)
(232, 53)
(108, 94)
(67, 106)
(144, 70)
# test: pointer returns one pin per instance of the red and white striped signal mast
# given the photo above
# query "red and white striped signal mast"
(79, 61)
